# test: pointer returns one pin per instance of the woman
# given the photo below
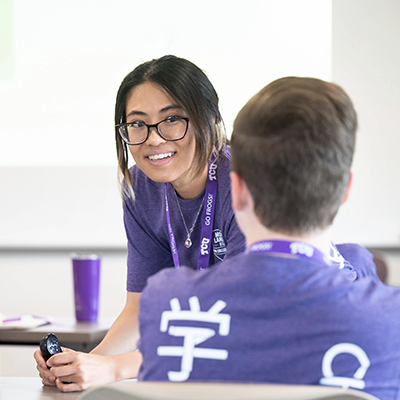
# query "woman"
(177, 203)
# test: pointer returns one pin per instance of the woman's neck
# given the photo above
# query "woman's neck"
(190, 188)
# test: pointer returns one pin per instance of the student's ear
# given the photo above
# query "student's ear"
(349, 185)
(239, 192)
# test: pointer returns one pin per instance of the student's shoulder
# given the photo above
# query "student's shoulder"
(183, 280)
(185, 276)
(224, 160)
(360, 258)
(146, 191)
(354, 251)
(172, 274)
(370, 297)
(168, 283)
(141, 180)
(224, 179)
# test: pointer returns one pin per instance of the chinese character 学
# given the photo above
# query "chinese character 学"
(192, 336)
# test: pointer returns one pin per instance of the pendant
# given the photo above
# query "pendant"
(188, 242)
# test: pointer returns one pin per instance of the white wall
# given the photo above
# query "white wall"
(41, 283)
(366, 62)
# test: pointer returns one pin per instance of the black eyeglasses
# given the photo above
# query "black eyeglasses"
(137, 132)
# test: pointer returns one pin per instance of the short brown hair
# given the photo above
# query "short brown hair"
(293, 144)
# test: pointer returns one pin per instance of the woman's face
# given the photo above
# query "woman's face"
(159, 159)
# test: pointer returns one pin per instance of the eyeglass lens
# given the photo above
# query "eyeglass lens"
(170, 129)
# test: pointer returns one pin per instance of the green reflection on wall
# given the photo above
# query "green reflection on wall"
(6, 40)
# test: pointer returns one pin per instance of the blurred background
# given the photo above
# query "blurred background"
(61, 63)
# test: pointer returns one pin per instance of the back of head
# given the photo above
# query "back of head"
(293, 145)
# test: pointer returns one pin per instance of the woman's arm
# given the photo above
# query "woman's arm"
(124, 333)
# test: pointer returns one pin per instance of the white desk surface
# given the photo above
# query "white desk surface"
(31, 389)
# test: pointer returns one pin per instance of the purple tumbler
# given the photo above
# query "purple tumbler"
(86, 268)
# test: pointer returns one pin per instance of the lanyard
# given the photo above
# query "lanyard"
(298, 249)
(337, 259)
(207, 220)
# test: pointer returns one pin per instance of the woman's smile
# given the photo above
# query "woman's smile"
(161, 156)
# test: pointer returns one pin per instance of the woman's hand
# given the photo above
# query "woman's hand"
(47, 378)
(74, 370)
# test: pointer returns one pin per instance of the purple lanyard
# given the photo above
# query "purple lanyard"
(174, 250)
(207, 220)
(297, 249)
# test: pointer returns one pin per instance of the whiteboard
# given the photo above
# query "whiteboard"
(70, 57)
(61, 64)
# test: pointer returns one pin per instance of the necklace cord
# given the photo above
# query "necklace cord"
(188, 241)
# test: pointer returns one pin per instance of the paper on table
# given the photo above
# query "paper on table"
(22, 322)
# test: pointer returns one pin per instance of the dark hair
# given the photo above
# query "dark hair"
(293, 144)
(189, 86)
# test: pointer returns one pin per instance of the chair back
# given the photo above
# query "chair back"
(129, 390)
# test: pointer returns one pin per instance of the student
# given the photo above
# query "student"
(279, 312)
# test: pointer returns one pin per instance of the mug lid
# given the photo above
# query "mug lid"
(84, 256)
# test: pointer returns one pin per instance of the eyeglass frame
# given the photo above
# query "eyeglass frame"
(118, 126)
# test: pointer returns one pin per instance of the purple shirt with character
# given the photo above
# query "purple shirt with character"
(261, 318)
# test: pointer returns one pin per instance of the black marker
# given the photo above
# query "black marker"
(49, 345)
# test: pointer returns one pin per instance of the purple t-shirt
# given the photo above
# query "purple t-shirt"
(146, 227)
(260, 318)
(361, 260)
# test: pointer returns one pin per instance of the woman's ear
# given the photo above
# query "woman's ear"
(349, 185)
